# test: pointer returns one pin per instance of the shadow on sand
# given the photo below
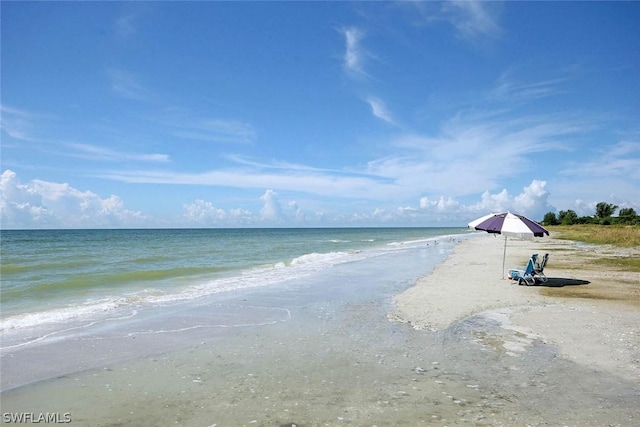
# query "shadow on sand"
(559, 282)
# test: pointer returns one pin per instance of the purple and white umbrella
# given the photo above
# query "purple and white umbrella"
(509, 224)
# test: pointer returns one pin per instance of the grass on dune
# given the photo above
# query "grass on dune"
(616, 235)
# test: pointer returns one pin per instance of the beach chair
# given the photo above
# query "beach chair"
(525, 276)
(538, 270)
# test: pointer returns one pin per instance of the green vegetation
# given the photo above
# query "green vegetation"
(603, 216)
(617, 235)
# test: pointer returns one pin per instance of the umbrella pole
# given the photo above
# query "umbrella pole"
(504, 254)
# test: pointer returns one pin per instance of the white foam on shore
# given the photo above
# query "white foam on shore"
(278, 273)
(151, 320)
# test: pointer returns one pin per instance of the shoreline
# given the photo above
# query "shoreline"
(591, 313)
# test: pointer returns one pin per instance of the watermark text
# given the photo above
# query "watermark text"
(36, 417)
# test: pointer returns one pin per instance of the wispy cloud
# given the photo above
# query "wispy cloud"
(217, 130)
(93, 152)
(460, 160)
(354, 53)
(621, 159)
(320, 184)
(379, 110)
(126, 85)
(297, 168)
(213, 129)
(18, 124)
(284, 176)
(473, 18)
(510, 88)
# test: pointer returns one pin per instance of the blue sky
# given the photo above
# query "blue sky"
(242, 114)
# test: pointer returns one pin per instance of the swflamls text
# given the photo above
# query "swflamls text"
(36, 417)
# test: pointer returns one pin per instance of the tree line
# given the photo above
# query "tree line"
(603, 215)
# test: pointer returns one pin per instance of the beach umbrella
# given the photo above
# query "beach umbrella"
(510, 225)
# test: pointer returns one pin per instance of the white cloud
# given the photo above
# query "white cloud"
(473, 18)
(621, 159)
(299, 215)
(20, 204)
(445, 210)
(20, 124)
(307, 181)
(217, 130)
(460, 160)
(42, 204)
(468, 155)
(271, 211)
(126, 85)
(203, 213)
(583, 193)
(379, 110)
(14, 122)
(94, 152)
(499, 202)
(532, 201)
(464, 157)
(510, 89)
(183, 124)
(354, 54)
(441, 204)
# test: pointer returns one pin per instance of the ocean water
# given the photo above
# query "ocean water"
(60, 285)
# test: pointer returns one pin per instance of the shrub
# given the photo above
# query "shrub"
(605, 210)
(550, 219)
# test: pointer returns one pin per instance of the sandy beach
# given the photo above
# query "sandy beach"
(462, 346)
(591, 313)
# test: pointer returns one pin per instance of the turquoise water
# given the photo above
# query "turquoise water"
(69, 271)
(80, 299)
(53, 278)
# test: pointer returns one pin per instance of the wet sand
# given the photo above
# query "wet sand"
(461, 347)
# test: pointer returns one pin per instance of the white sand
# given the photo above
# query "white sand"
(597, 324)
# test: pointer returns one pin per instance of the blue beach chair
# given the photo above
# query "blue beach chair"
(533, 273)
(526, 276)
(538, 269)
